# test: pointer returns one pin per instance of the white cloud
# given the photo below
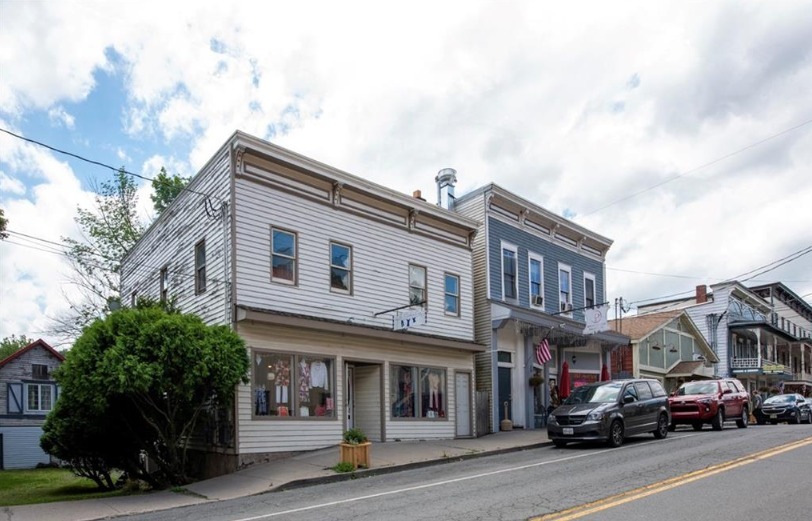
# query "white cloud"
(574, 106)
(59, 116)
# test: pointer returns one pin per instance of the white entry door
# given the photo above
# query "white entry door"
(463, 401)
(349, 406)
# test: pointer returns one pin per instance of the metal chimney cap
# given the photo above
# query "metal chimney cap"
(446, 176)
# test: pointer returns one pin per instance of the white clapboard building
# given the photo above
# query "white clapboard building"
(355, 300)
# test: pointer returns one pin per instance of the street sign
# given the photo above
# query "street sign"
(408, 318)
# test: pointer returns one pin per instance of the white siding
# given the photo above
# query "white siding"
(381, 255)
(21, 448)
(170, 242)
(699, 314)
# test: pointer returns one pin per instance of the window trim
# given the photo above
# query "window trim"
(163, 277)
(515, 250)
(591, 276)
(540, 259)
(348, 269)
(200, 269)
(425, 284)
(295, 257)
(27, 409)
(446, 294)
(568, 269)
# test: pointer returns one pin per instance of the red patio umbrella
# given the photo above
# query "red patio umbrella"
(605, 374)
(564, 384)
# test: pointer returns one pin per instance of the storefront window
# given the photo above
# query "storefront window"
(404, 387)
(291, 385)
(417, 392)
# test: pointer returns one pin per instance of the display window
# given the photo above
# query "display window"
(286, 385)
(418, 392)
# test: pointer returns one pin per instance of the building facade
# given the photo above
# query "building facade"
(355, 301)
(535, 274)
(28, 393)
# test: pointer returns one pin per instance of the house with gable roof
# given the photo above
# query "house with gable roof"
(28, 392)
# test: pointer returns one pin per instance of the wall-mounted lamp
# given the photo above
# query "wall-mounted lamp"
(573, 359)
(656, 347)
(672, 349)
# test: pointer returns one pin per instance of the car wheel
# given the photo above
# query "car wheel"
(616, 434)
(697, 426)
(718, 420)
(744, 420)
(560, 443)
(662, 427)
(809, 417)
(797, 418)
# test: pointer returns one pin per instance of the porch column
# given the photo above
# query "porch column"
(758, 343)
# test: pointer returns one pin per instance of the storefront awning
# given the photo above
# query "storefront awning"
(560, 330)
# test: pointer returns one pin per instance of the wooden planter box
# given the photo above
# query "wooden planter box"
(358, 454)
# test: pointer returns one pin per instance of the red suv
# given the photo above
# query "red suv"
(710, 401)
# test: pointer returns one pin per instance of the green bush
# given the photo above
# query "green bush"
(344, 466)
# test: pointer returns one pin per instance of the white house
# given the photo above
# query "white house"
(355, 301)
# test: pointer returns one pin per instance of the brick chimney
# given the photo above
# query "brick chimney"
(417, 194)
(701, 294)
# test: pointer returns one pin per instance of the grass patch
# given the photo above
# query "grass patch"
(26, 487)
(344, 466)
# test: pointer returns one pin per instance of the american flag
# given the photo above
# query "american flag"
(543, 352)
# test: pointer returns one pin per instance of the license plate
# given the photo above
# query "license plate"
(568, 431)
(773, 416)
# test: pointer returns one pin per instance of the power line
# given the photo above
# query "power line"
(700, 167)
(93, 162)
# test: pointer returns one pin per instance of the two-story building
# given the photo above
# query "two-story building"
(744, 331)
(28, 392)
(535, 274)
(356, 301)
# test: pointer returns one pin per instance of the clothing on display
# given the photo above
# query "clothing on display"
(319, 376)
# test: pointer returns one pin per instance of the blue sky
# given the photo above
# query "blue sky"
(682, 131)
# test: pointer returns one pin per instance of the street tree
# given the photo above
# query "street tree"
(11, 344)
(165, 189)
(150, 373)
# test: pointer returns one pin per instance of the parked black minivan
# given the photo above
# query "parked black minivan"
(611, 411)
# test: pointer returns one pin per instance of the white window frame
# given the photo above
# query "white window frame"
(425, 288)
(39, 408)
(294, 258)
(568, 269)
(537, 258)
(591, 276)
(513, 249)
(200, 267)
(347, 268)
(456, 295)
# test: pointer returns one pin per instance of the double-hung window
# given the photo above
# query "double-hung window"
(340, 268)
(283, 256)
(417, 285)
(565, 287)
(452, 294)
(589, 290)
(509, 272)
(536, 276)
(200, 267)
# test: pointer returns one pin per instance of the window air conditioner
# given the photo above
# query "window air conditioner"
(538, 300)
(566, 306)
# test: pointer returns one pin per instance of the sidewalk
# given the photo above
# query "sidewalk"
(303, 469)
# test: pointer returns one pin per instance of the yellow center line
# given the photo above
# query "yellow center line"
(668, 484)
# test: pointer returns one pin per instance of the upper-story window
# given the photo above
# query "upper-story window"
(40, 397)
(133, 298)
(164, 278)
(417, 285)
(340, 268)
(509, 272)
(39, 371)
(565, 287)
(452, 294)
(200, 267)
(283, 256)
(589, 290)
(536, 273)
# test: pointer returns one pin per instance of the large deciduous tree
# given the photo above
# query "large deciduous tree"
(11, 344)
(165, 189)
(140, 379)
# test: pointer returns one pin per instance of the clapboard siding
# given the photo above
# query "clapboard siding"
(170, 242)
(20, 371)
(381, 254)
(291, 434)
(552, 254)
(21, 448)
(699, 314)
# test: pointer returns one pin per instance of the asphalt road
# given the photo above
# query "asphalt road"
(762, 472)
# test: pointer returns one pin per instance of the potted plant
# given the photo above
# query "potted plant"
(355, 448)
(536, 380)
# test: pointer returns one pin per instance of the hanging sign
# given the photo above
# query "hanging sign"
(595, 319)
(408, 318)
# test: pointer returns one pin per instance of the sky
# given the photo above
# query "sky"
(680, 130)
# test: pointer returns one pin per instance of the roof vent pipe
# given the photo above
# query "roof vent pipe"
(446, 178)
